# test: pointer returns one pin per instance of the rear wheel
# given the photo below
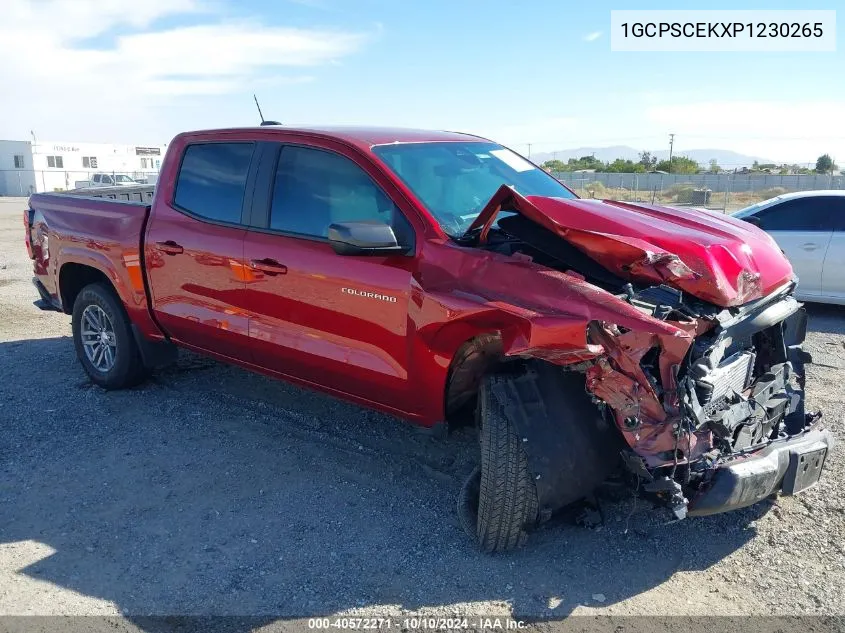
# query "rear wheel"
(507, 496)
(103, 339)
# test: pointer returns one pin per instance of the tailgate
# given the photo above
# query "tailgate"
(27, 230)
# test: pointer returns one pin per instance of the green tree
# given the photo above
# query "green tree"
(622, 166)
(679, 165)
(714, 166)
(647, 161)
(825, 164)
(590, 162)
(585, 162)
(554, 165)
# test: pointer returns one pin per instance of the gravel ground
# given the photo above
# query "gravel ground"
(210, 490)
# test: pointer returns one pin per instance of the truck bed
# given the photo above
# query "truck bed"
(136, 193)
(64, 230)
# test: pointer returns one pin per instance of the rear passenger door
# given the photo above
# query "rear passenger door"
(802, 227)
(194, 249)
(335, 321)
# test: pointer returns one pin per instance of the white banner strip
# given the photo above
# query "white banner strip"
(723, 31)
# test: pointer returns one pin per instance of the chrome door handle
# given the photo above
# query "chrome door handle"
(269, 266)
(170, 247)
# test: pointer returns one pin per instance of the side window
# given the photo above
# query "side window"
(813, 213)
(315, 188)
(212, 180)
(838, 214)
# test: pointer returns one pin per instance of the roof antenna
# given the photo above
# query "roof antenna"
(263, 122)
(259, 108)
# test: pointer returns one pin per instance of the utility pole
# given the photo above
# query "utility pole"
(671, 144)
(529, 150)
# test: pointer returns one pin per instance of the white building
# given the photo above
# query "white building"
(27, 167)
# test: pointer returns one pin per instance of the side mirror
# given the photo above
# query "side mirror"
(367, 237)
(753, 219)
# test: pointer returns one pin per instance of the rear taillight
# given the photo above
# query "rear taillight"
(27, 225)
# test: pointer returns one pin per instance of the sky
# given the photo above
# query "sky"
(539, 72)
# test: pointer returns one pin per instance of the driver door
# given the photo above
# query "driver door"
(335, 321)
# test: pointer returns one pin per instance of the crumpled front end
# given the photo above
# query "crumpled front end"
(717, 421)
(683, 325)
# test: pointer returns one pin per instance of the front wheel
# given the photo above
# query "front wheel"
(102, 335)
(507, 497)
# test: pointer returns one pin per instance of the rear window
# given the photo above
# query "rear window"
(212, 180)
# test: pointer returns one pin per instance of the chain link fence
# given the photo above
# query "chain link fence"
(726, 192)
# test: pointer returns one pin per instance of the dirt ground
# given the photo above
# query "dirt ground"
(213, 491)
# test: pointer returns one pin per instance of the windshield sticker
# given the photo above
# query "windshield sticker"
(514, 161)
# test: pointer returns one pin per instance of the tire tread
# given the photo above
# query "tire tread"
(507, 506)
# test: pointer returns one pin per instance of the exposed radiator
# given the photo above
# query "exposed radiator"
(732, 375)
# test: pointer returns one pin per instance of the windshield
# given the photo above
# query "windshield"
(455, 180)
(120, 178)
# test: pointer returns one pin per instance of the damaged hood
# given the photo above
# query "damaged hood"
(716, 258)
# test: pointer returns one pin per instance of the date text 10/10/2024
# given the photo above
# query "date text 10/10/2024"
(418, 624)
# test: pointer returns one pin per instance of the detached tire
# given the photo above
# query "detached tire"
(102, 335)
(507, 497)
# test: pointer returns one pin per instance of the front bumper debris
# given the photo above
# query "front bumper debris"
(790, 464)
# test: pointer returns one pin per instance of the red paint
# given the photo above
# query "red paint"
(196, 292)
(99, 233)
(716, 258)
(198, 284)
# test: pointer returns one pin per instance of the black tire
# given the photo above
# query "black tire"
(128, 368)
(507, 497)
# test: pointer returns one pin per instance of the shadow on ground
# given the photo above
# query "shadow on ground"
(214, 491)
(826, 318)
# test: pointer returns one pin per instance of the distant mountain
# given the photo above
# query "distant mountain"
(726, 158)
(604, 154)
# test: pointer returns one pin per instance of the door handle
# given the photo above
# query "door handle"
(810, 246)
(170, 247)
(269, 266)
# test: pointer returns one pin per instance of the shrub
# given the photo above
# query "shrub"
(771, 192)
(681, 192)
(596, 189)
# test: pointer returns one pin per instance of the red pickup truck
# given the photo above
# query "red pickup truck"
(445, 279)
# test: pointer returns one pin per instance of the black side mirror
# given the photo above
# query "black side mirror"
(366, 237)
(753, 219)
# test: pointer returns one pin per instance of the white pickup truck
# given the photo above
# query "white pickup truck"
(106, 180)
